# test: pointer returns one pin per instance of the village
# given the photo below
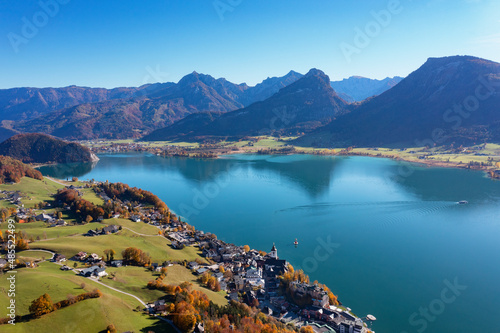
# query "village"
(255, 280)
(246, 275)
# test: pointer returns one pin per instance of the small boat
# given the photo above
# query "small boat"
(296, 242)
(463, 202)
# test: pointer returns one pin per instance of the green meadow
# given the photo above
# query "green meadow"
(157, 246)
(92, 315)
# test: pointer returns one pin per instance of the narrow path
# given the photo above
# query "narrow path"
(56, 181)
(47, 251)
(137, 298)
(118, 290)
(135, 232)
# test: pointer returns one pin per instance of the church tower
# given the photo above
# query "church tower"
(274, 252)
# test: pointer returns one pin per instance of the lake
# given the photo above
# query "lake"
(388, 237)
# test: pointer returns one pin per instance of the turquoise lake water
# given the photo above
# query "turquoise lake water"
(388, 237)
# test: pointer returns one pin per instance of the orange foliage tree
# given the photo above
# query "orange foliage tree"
(42, 305)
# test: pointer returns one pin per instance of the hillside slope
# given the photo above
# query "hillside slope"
(447, 100)
(41, 148)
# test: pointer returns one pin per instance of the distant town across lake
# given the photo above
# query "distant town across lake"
(389, 238)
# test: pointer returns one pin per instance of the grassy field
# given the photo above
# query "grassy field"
(157, 246)
(178, 274)
(35, 190)
(140, 227)
(32, 255)
(438, 154)
(90, 195)
(95, 314)
(134, 280)
(178, 144)
(40, 229)
(91, 315)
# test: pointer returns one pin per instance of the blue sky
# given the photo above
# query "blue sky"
(128, 43)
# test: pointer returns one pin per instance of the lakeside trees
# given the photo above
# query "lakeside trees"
(124, 192)
(291, 276)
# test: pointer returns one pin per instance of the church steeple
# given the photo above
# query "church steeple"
(274, 252)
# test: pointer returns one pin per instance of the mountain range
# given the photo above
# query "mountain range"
(358, 88)
(130, 112)
(299, 107)
(89, 113)
(447, 100)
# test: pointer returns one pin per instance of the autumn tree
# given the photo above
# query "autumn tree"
(110, 254)
(136, 256)
(306, 329)
(42, 305)
(111, 329)
(22, 244)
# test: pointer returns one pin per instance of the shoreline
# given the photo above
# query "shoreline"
(211, 154)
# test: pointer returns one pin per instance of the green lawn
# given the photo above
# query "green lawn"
(177, 274)
(91, 315)
(90, 195)
(437, 154)
(32, 255)
(140, 227)
(134, 280)
(35, 190)
(157, 246)
(268, 142)
(40, 229)
(181, 144)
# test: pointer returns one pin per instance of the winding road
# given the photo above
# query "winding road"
(137, 298)
(56, 181)
(118, 290)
